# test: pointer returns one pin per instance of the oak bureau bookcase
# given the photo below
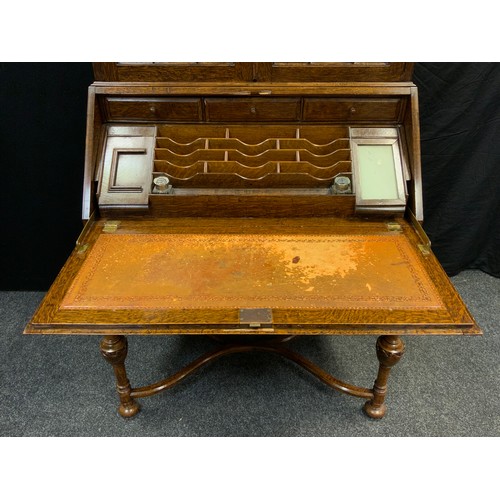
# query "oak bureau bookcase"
(252, 202)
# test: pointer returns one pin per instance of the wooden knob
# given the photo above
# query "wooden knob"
(352, 110)
(253, 110)
(152, 109)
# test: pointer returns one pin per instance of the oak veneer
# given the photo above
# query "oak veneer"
(251, 151)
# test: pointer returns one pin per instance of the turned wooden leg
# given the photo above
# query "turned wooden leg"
(114, 351)
(390, 348)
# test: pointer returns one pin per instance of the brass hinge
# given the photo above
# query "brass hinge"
(394, 226)
(110, 226)
(81, 248)
(424, 249)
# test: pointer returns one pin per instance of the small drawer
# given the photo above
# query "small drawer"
(252, 109)
(352, 110)
(127, 109)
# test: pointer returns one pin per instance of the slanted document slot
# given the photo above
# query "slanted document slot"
(252, 156)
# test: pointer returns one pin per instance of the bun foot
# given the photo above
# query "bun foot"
(374, 411)
(129, 410)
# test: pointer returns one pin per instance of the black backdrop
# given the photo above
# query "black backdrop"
(42, 143)
(460, 143)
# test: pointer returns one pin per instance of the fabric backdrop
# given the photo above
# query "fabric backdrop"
(460, 143)
(42, 144)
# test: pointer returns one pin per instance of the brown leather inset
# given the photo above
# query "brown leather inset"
(195, 271)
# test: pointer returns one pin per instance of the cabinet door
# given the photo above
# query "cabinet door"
(333, 72)
(256, 72)
(173, 71)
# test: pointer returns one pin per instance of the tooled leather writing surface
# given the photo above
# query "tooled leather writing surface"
(204, 271)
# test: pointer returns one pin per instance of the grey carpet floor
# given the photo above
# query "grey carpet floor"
(443, 386)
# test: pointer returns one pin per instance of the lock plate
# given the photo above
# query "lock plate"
(256, 318)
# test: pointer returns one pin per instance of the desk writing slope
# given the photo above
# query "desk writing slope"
(252, 202)
(195, 271)
(324, 276)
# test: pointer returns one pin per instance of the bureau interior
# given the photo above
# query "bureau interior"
(252, 156)
(145, 167)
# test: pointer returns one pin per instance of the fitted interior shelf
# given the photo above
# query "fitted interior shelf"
(248, 156)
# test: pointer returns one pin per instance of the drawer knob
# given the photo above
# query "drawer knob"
(253, 110)
(352, 110)
(152, 109)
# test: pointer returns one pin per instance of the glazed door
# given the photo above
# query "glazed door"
(333, 72)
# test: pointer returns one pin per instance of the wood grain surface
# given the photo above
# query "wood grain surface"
(430, 317)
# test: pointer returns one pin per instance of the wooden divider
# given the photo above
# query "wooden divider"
(246, 156)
